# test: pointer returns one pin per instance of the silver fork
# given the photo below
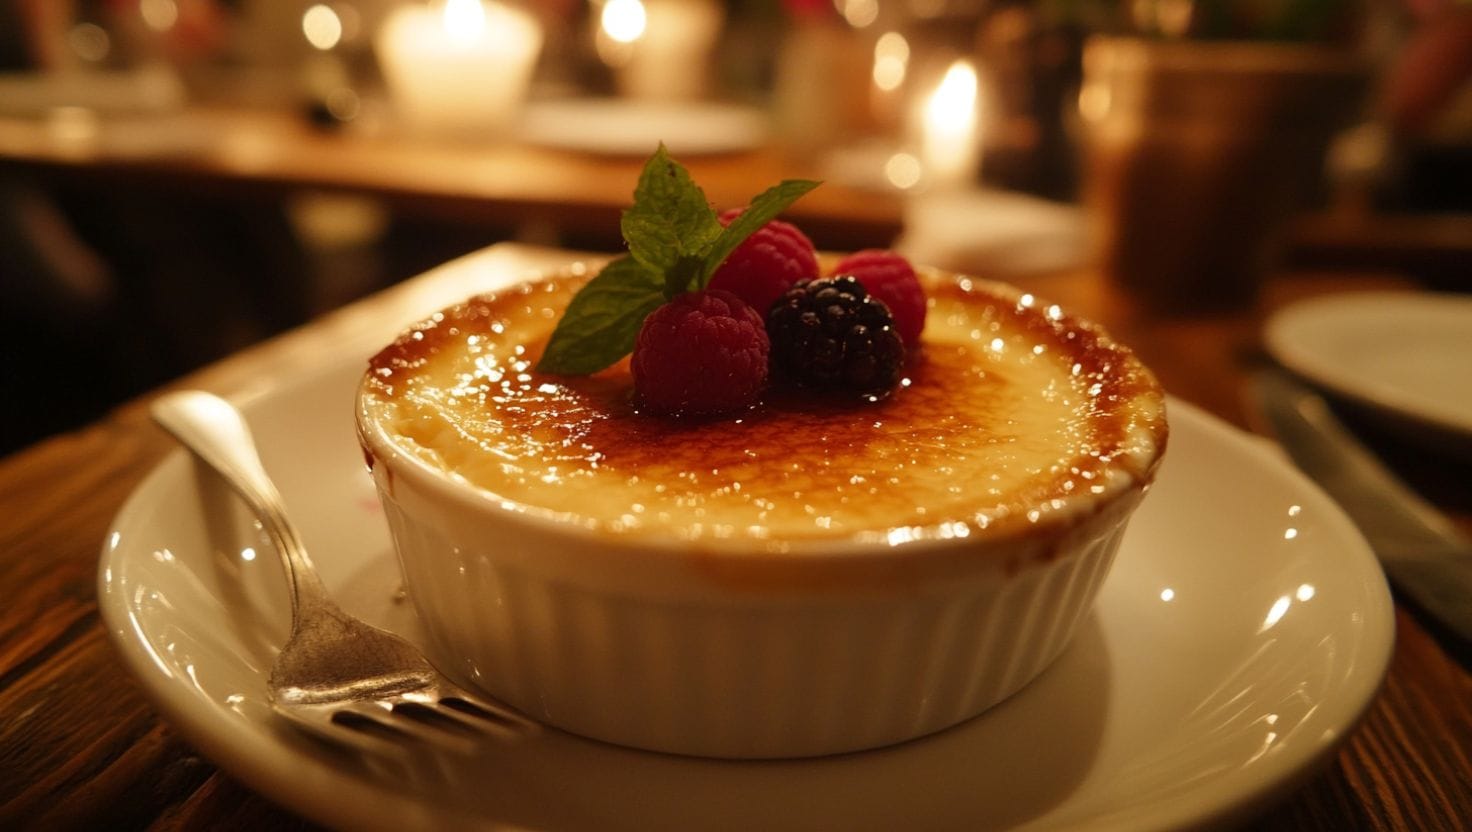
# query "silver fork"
(337, 677)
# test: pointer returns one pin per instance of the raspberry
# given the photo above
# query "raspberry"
(773, 258)
(701, 354)
(831, 334)
(890, 277)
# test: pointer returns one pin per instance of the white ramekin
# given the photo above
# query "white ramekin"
(715, 650)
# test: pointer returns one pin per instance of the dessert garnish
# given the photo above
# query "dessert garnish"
(888, 276)
(773, 258)
(701, 354)
(711, 306)
(831, 334)
(676, 242)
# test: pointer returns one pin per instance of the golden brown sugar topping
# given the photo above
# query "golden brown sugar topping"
(1009, 409)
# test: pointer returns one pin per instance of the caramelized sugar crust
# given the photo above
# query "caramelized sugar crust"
(1010, 408)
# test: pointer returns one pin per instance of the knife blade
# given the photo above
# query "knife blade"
(1419, 548)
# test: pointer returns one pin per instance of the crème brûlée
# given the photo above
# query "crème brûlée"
(1012, 411)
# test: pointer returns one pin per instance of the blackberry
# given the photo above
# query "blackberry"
(831, 334)
(890, 277)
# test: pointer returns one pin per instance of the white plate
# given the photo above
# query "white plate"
(1408, 354)
(620, 127)
(1243, 631)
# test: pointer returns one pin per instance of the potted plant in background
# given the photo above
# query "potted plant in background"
(1206, 122)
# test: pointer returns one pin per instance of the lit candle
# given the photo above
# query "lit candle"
(460, 68)
(659, 48)
(949, 129)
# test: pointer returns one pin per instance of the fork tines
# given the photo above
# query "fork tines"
(447, 720)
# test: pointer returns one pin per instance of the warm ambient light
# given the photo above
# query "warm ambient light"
(903, 171)
(459, 69)
(949, 127)
(659, 49)
(464, 20)
(891, 61)
(322, 27)
(159, 15)
(859, 13)
(624, 20)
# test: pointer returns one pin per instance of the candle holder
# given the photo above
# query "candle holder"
(659, 50)
(459, 69)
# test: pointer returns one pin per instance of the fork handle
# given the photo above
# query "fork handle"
(217, 434)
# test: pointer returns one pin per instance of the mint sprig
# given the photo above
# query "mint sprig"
(676, 243)
(763, 209)
(670, 219)
(606, 312)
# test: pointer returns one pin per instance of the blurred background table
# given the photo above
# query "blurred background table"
(80, 747)
(501, 188)
(164, 241)
(209, 228)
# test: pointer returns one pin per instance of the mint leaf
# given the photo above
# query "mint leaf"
(764, 208)
(676, 243)
(670, 218)
(602, 321)
(681, 274)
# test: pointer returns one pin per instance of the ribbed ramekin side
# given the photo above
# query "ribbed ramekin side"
(752, 676)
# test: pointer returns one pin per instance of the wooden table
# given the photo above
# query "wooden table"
(80, 747)
(239, 153)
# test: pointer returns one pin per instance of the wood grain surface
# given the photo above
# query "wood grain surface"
(81, 748)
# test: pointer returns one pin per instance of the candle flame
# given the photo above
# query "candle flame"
(624, 20)
(952, 107)
(464, 20)
(950, 121)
